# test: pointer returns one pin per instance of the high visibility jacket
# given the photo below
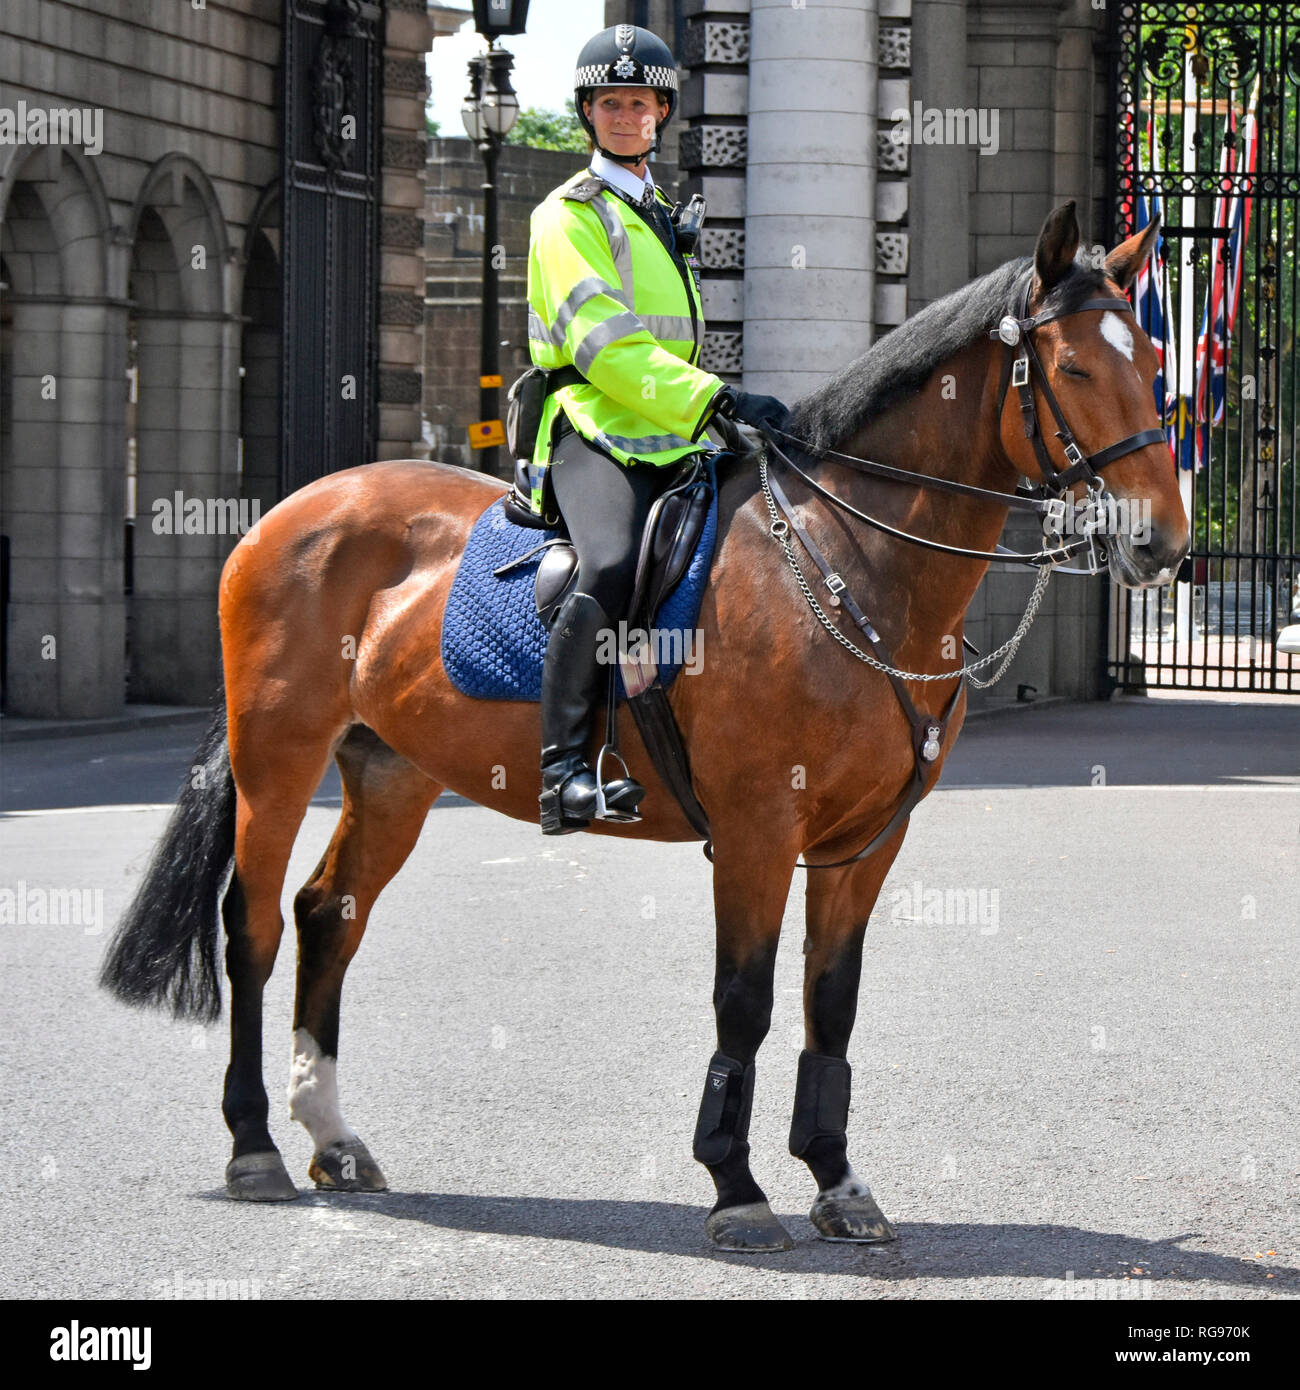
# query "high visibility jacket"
(606, 296)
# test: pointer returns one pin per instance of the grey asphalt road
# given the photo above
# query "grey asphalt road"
(1089, 1090)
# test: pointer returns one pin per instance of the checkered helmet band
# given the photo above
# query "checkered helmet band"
(608, 75)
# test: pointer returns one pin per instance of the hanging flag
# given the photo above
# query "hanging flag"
(1150, 290)
(1223, 293)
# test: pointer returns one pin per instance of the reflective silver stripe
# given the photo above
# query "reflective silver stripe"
(647, 444)
(619, 248)
(537, 329)
(620, 326)
(583, 291)
(674, 327)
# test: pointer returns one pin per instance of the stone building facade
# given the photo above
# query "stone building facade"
(825, 229)
(140, 329)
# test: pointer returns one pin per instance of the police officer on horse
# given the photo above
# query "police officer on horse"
(615, 320)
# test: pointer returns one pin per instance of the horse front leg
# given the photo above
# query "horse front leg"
(838, 904)
(750, 887)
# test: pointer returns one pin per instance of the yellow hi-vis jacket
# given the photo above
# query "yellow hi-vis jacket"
(605, 296)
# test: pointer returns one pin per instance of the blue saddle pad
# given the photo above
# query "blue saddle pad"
(493, 641)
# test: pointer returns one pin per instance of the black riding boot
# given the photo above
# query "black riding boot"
(571, 683)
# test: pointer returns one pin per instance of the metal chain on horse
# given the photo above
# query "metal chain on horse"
(1008, 648)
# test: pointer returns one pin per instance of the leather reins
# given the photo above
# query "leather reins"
(1020, 361)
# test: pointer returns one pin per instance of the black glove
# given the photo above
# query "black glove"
(751, 409)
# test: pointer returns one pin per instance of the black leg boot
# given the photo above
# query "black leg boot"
(571, 683)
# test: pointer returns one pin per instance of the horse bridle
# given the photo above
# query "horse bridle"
(1020, 358)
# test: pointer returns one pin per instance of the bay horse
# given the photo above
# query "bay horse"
(331, 620)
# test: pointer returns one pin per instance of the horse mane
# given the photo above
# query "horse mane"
(898, 365)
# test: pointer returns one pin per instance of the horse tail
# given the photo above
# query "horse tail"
(164, 952)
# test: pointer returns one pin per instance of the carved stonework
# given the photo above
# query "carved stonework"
(404, 151)
(401, 230)
(723, 353)
(405, 75)
(715, 41)
(400, 386)
(891, 253)
(722, 248)
(401, 307)
(713, 146)
(891, 157)
(894, 48)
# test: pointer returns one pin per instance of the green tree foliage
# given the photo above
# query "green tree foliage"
(543, 129)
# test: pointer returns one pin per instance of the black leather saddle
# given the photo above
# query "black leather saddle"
(672, 532)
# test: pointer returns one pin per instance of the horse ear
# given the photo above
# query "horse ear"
(1057, 243)
(1128, 258)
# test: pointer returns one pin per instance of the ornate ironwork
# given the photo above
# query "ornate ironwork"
(1183, 78)
(332, 103)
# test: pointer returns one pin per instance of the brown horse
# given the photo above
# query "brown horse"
(331, 621)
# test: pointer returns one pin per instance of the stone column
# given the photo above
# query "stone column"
(184, 445)
(1034, 63)
(1013, 55)
(1079, 102)
(407, 37)
(809, 289)
(939, 186)
(715, 98)
(65, 508)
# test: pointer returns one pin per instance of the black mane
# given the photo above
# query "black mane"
(899, 364)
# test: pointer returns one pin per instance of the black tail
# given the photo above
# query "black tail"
(164, 951)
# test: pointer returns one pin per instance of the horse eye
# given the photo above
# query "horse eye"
(1071, 370)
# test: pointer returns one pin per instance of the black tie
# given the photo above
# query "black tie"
(653, 212)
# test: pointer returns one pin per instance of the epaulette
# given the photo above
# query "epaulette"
(585, 191)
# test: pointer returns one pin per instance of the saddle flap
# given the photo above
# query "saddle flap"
(556, 573)
(677, 527)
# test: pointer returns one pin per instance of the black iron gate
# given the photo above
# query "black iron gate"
(331, 94)
(1206, 126)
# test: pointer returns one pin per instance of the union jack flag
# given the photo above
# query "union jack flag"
(1150, 292)
(1223, 294)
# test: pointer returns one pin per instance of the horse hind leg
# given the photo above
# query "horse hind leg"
(839, 902)
(276, 772)
(385, 801)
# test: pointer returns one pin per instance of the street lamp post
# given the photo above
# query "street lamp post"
(489, 112)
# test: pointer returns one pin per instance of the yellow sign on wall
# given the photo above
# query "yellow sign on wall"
(483, 434)
(489, 381)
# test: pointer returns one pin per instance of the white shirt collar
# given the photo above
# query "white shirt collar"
(620, 176)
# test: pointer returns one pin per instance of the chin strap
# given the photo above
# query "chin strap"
(631, 160)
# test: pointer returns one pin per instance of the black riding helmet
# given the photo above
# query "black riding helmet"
(625, 55)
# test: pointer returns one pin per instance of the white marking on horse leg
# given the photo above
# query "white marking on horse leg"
(314, 1092)
(849, 1186)
(1117, 333)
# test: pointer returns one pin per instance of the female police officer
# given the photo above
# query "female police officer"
(611, 296)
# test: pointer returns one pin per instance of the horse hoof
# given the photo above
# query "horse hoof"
(346, 1166)
(749, 1229)
(260, 1177)
(850, 1217)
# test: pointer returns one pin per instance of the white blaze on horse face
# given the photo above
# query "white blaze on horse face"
(314, 1092)
(1117, 333)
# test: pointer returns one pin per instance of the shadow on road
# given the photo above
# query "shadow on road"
(1070, 1256)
